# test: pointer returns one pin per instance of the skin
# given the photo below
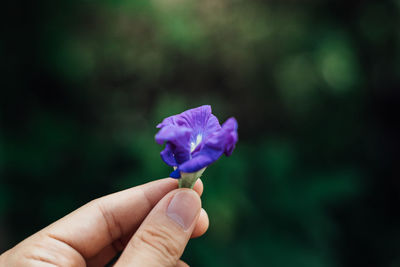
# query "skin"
(133, 222)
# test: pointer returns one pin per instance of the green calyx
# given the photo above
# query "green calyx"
(188, 180)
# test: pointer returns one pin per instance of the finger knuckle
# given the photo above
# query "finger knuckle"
(51, 255)
(41, 251)
(162, 242)
(114, 228)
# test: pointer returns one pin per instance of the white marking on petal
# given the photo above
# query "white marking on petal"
(193, 145)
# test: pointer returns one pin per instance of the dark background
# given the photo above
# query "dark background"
(314, 85)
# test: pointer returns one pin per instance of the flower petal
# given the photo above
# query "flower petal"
(223, 141)
(178, 138)
(167, 155)
(197, 163)
(230, 126)
(175, 174)
(199, 119)
(212, 125)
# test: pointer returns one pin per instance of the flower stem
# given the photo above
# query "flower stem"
(188, 180)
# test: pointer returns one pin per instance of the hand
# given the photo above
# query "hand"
(151, 224)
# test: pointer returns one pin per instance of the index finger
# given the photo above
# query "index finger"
(104, 220)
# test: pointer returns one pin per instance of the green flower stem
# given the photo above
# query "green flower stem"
(188, 180)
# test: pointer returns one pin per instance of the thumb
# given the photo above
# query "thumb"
(163, 235)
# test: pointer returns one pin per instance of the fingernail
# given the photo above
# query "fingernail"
(184, 208)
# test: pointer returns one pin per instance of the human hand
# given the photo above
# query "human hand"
(150, 224)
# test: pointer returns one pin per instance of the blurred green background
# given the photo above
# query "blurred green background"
(314, 180)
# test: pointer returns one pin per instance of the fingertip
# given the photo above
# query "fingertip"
(181, 263)
(199, 187)
(202, 224)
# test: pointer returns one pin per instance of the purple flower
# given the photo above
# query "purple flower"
(195, 139)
